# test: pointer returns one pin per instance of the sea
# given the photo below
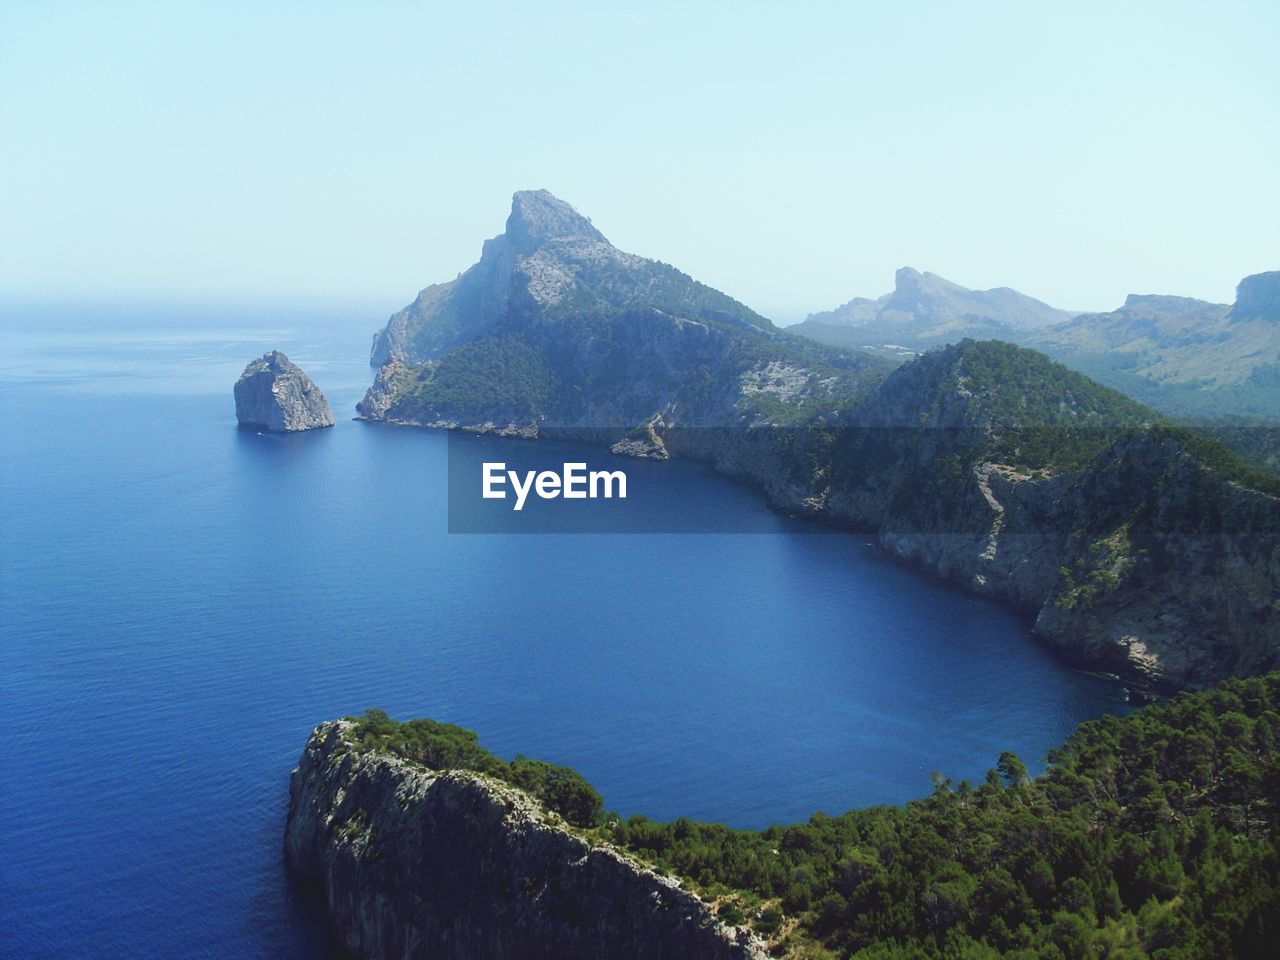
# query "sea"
(182, 601)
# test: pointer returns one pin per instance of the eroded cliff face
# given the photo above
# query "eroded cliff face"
(1169, 570)
(581, 337)
(414, 863)
(275, 394)
(1145, 562)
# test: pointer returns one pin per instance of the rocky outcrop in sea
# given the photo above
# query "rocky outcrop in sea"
(412, 862)
(275, 394)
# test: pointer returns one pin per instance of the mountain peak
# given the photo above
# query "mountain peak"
(538, 216)
(915, 289)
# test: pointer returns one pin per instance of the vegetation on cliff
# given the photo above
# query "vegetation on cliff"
(443, 746)
(1006, 404)
(511, 377)
(1153, 835)
(555, 325)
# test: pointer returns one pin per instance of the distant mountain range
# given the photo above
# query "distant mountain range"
(1140, 548)
(1185, 357)
(923, 311)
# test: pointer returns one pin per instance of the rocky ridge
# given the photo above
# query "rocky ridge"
(1187, 357)
(1258, 296)
(412, 862)
(276, 395)
(925, 310)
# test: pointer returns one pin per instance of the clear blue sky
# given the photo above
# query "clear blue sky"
(792, 155)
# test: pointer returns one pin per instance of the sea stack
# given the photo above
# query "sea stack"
(275, 394)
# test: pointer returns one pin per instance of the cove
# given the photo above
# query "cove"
(182, 602)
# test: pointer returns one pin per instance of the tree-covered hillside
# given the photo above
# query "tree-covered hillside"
(1007, 403)
(1153, 835)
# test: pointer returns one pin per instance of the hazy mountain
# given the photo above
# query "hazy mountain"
(1186, 357)
(924, 311)
(556, 330)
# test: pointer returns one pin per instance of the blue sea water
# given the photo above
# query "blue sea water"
(182, 601)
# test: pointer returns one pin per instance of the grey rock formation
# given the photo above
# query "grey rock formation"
(274, 394)
(645, 443)
(1258, 296)
(527, 260)
(416, 863)
(584, 338)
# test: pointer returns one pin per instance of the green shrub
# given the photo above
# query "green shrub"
(444, 746)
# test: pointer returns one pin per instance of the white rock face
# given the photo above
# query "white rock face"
(274, 394)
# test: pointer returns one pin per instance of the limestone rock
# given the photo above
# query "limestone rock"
(413, 862)
(1258, 296)
(643, 444)
(274, 394)
(581, 337)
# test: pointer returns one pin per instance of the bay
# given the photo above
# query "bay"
(182, 601)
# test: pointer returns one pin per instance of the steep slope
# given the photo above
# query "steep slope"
(1146, 832)
(275, 394)
(924, 311)
(1140, 548)
(1186, 357)
(556, 331)
(420, 861)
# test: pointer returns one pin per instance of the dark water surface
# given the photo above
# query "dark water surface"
(181, 602)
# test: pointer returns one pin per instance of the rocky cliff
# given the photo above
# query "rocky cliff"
(274, 394)
(413, 862)
(1258, 296)
(984, 462)
(1169, 569)
(557, 332)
